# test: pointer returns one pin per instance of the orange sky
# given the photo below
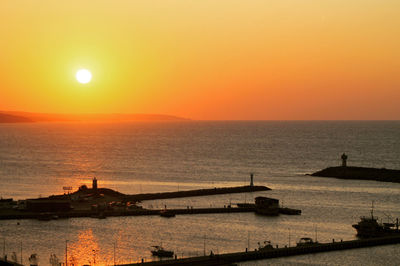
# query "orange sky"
(208, 59)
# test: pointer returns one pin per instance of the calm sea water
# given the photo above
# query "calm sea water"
(41, 158)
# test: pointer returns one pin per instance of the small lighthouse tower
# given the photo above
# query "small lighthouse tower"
(344, 160)
(251, 179)
(94, 184)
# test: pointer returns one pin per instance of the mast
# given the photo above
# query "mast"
(372, 210)
(204, 247)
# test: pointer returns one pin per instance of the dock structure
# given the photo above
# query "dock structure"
(230, 258)
(136, 212)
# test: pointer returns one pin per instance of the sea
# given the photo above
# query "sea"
(43, 159)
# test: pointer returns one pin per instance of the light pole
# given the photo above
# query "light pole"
(66, 252)
(248, 240)
(94, 256)
(204, 247)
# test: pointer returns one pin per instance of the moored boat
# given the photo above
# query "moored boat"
(289, 211)
(306, 241)
(159, 251)
(167, 213)
(370, 227)
(267, 246)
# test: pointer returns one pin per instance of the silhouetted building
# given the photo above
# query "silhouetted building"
(251, 180)
(267, 206)
(39, 205)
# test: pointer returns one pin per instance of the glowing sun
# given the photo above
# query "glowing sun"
(83, 76)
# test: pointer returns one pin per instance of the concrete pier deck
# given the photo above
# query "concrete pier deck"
(115, 213)
(230, 258)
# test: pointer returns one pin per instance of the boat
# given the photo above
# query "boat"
(267, 246)
(168, 214)
(159, 251)
(44, 217)
(306, 241)
(289, 211)
(370, 227)
(33, 260)
(99, 215)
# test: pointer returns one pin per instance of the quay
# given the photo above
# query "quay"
(231, 258)
(114, 213)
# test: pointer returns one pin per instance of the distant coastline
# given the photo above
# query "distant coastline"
(7, 118)
(27, 117)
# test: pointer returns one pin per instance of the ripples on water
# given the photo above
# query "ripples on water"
(39, 159)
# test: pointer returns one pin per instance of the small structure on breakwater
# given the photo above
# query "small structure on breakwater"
(267, 206)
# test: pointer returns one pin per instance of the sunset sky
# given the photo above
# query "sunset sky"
(203, 59)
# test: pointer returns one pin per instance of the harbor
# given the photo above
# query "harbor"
(100, 206)
(104, 206)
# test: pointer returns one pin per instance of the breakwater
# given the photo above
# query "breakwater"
(229, 258)
(194, 193)
(361, 173)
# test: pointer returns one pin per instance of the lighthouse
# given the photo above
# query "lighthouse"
(94, 184)
(344, 160)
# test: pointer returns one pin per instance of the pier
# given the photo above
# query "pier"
(137, 212)
(231, 258)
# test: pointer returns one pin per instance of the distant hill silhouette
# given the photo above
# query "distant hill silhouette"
(14, 116)
(7, 118)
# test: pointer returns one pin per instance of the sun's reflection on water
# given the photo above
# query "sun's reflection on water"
(85, 250)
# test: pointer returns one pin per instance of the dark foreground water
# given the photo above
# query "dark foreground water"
(39, 159)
